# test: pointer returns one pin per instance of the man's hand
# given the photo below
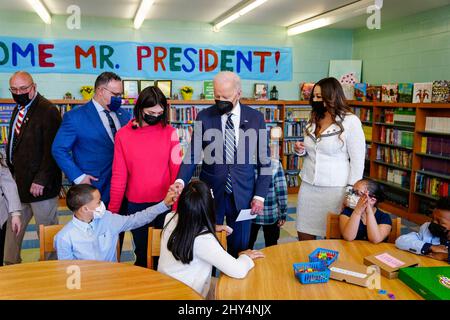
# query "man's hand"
(177, 187)
(281, 223)
(88, 179)
(170, 198)
(257, 207)
(36, 190)
(16, 224)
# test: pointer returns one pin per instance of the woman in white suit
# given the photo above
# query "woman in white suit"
(10, 205)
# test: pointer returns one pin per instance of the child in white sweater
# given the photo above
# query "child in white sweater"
(189, 246)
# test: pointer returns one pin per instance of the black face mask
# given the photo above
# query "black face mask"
(224, 106)
(22, 99)
(152, 120)
(319, 109)
(437, 230)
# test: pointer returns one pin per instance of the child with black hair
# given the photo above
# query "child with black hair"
(93, 232)
(433, 237)
(361, 219)
(189, 246)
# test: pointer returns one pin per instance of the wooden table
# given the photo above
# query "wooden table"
(273, 278)
(99, 280)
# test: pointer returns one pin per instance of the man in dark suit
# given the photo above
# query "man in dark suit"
(239, 150)
(32, 128)
(84, 145)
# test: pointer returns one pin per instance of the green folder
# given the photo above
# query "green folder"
(432, 283)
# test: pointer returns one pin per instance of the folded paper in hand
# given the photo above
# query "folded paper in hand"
(245, 215)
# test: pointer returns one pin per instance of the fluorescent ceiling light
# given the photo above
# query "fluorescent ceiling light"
(235, 14)
(352, 10)
(41, 10)
(142, 13)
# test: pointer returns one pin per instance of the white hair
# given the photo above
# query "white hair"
(228, 76)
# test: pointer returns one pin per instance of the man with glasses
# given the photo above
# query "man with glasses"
(84, 145)
(32, 128)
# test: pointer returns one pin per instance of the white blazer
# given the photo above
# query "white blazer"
(333, 161)
(9, 196)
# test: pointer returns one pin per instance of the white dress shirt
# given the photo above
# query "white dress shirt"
(105, 122)
(335, 160)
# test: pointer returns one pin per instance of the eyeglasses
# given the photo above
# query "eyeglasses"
(21, 89)
(360, 194)
(113, 93)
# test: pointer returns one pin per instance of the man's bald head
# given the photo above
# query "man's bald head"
(22, 77)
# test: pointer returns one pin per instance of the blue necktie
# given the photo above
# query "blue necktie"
(230, 150)
(111, 124)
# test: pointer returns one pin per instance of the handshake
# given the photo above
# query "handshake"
(173, 193)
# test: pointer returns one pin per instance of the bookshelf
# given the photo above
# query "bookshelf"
(410, 159)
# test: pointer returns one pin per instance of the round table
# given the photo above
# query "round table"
(273, 278)
(98, 280)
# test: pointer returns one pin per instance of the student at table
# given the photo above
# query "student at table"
(361, 219)
(433, 238)
(189, 246)
(93, 232)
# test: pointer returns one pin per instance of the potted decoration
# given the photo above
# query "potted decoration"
(87, 92)
(187, 92)
(68, 96)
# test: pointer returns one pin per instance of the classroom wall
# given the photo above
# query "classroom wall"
(410, 49)
(311, 51)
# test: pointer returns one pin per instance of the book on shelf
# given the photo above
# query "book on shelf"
(422, 92)
(430, 185)
(360, 91)
(364, 114)
(6, 111)
(436, 165)
(437, 124)
(405, 92)
(349, 90)
(288, 147)
(439, 146)
(441, 91)
(293, 162)
(394, 156)
(404, 116)
(395, 176)
(184, 113)
(208, 89)
(389, 93)
(292, 181)
(271, 113)
(397, 137)
(367, 132)
(306, 90)
(297, 113)
(373, 93)
(368, 148)
(294, 129)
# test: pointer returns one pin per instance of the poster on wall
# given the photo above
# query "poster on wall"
(348, 72)
(144, 60)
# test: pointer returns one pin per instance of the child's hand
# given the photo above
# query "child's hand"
(361, 205)
(439, 249)
(438, 256)
(170, 198)
(281, 223)
(254, 254)
(220, 228)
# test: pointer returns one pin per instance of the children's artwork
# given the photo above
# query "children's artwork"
(130, 89)
(261, 90)
(349, 91)
(389, 93)
(389, 260)
(306, 90)
(208, 89)
(405, 92)
(360, 91)
(441, 91)
(145, 84)
(166, 87)
(346, 71)
(422, 92)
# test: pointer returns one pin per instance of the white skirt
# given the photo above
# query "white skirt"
(313, 205)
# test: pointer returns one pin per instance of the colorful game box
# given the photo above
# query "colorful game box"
(432, 283)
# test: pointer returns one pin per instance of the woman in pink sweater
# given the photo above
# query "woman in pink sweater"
(147, 157)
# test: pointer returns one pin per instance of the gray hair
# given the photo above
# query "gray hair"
(228, 76)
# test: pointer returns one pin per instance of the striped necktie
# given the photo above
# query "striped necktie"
(230, 150)
(111, 123)
(19, 123)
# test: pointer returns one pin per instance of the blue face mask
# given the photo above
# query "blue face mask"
(115, 103)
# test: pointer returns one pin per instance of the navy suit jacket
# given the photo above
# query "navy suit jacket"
(82, 145)
(251, 173)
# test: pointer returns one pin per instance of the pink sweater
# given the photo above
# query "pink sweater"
(146, 163)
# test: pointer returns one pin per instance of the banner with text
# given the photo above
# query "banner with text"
(144, 60)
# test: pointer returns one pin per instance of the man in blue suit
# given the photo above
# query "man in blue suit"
(236, 162)
(84, 144)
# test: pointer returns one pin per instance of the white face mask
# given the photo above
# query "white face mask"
(352, 200)
(99, 212)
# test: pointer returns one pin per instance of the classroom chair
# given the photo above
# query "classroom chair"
(154, 243)
(334, 232)
(46, 244)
